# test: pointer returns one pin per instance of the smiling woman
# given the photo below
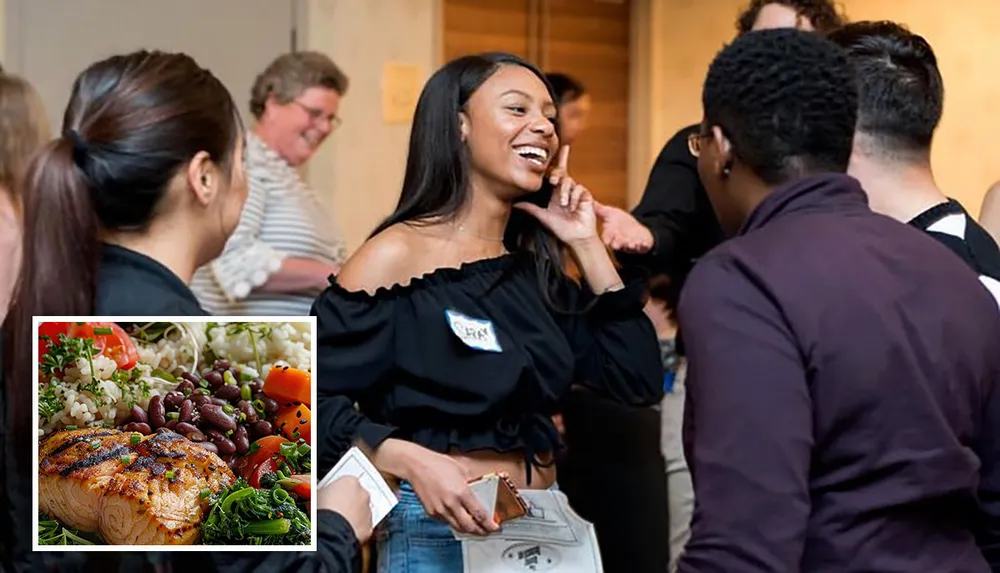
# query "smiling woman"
(472, 259)
(285, 247)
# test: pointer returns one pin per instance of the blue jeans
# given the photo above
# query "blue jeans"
(410, 541)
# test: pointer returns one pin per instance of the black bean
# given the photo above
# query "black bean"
(256, 385)
(247, 409)
(138, 414)
(241, 440)
(271, 405)
(209, 446)
(222, 364)
(217, 401)
(226, 446)
(157, 415)
(214, 414)
(228, 392)
(173, 400)
(187, 410)
(214, 379)
(261, 429)
(199, 399)
(185, 428)
(170, 425)
(141, 427)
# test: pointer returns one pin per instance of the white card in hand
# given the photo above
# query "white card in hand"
(355, 463)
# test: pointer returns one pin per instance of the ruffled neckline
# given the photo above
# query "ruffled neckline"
(437, 277)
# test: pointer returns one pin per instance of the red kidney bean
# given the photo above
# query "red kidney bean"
(185, 428)
(217, 401)
(271, 405)
(199, 399)
(213, 434)
(187, 411)
(209, 446)
(241, 440)
(226, 446)
(256, 385)
(222, 364)
(228, 392)
(186, 386)
(214, 379)
(157, 415)
(214, 414)
(247, 409)
(173, 400)
(141, 427)
(261, 429)
(195, 436)
(138, 414)
(191, 377)
(171, 425)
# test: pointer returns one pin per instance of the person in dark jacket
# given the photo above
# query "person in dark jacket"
(901, 96)
(673, 224)
(145, 185)
(842, 365)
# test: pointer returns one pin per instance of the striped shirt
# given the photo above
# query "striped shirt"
(950, 224)
(282, 218)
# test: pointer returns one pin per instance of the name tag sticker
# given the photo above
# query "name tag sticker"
(474, 332)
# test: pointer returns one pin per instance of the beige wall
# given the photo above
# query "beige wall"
(360, 168)
(687, 34)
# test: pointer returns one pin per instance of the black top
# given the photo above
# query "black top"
(676, 209)
(417, 375)
(842, 405)
(132, 284)
(950, 224)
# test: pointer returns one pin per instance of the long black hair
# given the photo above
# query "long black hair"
(132, 122)
(436, 182)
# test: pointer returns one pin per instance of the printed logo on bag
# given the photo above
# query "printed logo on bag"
(473, 332)
(531, 557)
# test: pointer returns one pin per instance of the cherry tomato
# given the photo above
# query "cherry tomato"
(109, 339)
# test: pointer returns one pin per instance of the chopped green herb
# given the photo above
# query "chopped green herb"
(135, 438)
(48, 403)
(205, 493)
(125, 460)
(170, 474)
(95, 444)
(72, 428)
(103, 330)
(173, 415)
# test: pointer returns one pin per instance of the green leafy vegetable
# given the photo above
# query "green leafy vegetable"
(243, 515)
(64, 353)
(51, 532)
(48, 403)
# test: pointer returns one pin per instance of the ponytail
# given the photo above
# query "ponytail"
(58, 274)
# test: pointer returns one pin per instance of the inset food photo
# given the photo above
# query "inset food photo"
(175, 434)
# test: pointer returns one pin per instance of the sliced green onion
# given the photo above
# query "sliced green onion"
(95, 444)
(205, 493)
(280, 495)
(205, 391)
(228, 408)
(187, 391)
(229, 432)
(203, 383)
(244, 377)
(285, 469)
(228, 377)
(304, 450)
(243, 417)
(286, 449)
(259, 406)
(170, 474)
(135, 438)
(125, 460)
(103, 330)
(72, 428)
(245, 392)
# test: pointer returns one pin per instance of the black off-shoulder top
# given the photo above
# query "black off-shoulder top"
(473, 358)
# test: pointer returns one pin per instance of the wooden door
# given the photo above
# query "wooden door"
(589, 40)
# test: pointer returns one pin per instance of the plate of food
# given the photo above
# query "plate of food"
(155, 433)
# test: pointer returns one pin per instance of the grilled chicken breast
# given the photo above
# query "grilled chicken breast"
(131, 494)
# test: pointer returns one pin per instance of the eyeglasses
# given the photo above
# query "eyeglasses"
(694, 142)
(318, 114)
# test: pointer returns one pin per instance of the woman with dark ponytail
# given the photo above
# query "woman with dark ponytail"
(145, 185)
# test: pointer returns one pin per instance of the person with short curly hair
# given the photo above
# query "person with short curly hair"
(840, 363)
(286, 246)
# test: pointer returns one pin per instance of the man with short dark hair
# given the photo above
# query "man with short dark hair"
(901, 96)
(841, 365)
(673, 223)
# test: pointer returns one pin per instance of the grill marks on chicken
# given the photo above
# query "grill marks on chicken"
(136, 494)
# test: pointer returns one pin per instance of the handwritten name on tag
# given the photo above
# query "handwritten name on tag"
(475, 333)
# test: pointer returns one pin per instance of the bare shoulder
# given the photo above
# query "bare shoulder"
(382, 261)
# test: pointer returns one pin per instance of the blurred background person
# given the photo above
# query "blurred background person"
(989, 212)
(574, 105)
(285, 247)
(24, 129)
(673, 224)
